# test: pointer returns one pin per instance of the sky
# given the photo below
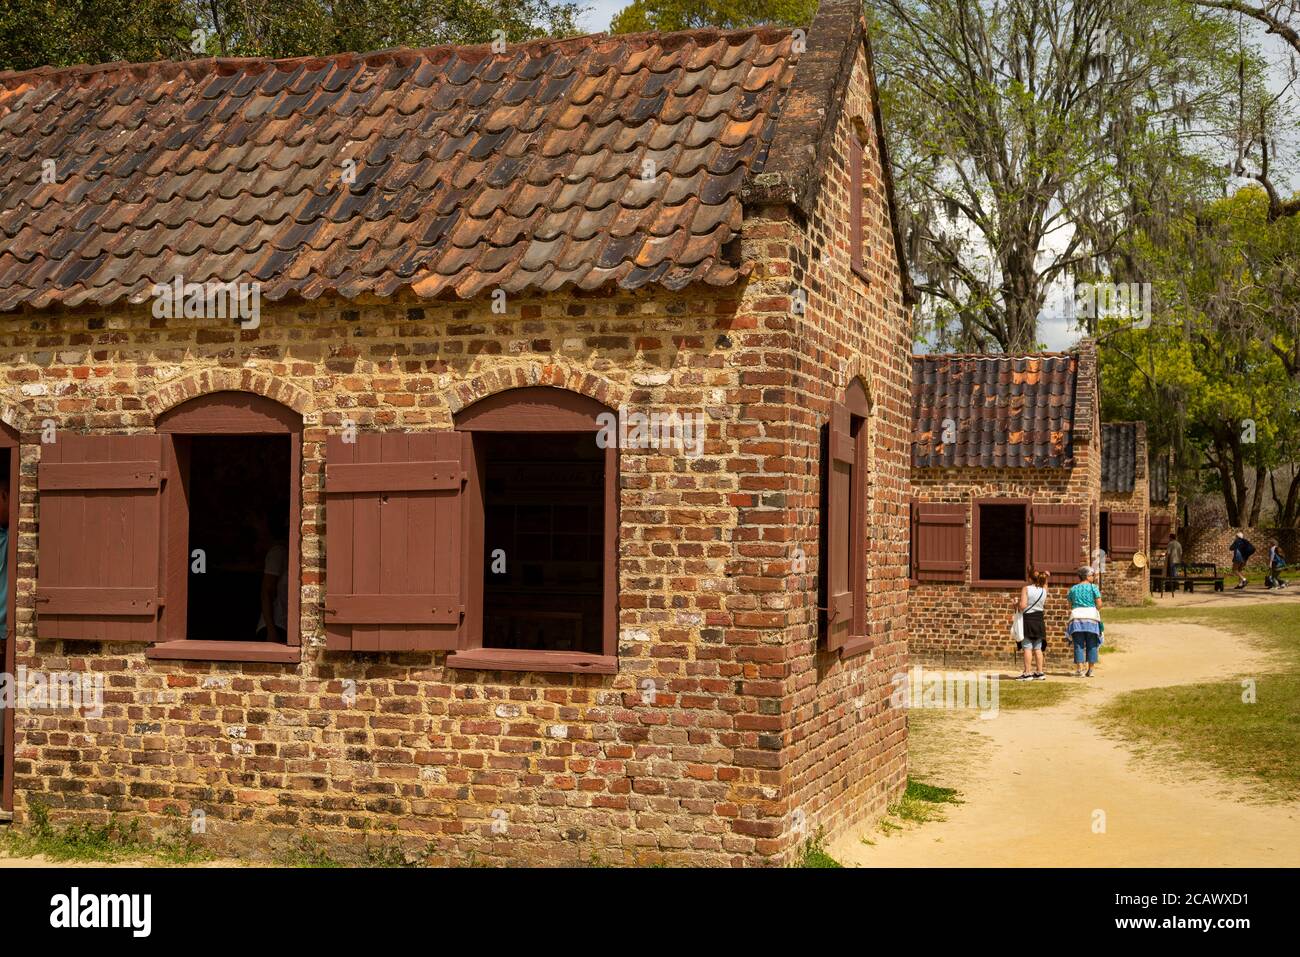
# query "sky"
(595, 19)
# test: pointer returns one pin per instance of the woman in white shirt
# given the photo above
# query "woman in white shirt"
(1032, 605)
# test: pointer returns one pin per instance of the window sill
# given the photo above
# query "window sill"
(857, 646)
(225, 651)
(510, 659)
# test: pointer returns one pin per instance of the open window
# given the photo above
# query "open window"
(1000, 543)
(232, 467)
(843, 582)
(542, 530)
(496, 541)
(9, 456)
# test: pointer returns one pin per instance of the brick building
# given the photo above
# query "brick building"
(366, 558)
(1006, 476)
(1163, 503)
(1124, 523)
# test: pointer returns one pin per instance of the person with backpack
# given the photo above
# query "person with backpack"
(1276, 562)
(1241, 551)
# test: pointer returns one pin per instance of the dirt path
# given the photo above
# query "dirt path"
(1036, 778)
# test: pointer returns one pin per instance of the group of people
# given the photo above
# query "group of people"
(1084, 629)
(1242, 549)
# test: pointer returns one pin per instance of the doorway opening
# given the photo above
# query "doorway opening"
(544, 503)
(1104, 531)
(1003, 543)
(238, 536)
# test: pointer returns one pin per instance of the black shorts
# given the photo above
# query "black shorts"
(1035, 628)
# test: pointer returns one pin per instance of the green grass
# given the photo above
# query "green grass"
(815, 855)
(115, 841)
(1257, 742)
(920, 803)
(1027, 695)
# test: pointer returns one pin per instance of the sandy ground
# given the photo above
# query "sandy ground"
(1033, 781)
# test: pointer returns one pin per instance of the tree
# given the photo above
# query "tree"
(1217, 372)
(1028, 137)
(42, 32)
(643, 15)
(1259, 116)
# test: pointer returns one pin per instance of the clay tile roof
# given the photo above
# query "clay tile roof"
(449, 171)
(1118, 456)
(994, 411)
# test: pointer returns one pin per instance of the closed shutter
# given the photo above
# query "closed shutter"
(1160, 528)
(938, 542)
(100, 559)
(1056, 540)
(1123, 533)
(394, 560)
(839, 564)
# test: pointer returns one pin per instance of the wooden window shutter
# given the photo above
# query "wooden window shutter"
(1123, 533)
(1055, 538)
(99, 575)
(855, 204)
(839, 563)
(938, 542)
(394, 558)
(1159, 529)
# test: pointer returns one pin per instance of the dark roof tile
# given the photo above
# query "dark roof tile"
(521, 169)
(1118, 456)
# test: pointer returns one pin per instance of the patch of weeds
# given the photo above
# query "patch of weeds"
(920, 803)
(117, 840)
(814, 853)
(307, 852)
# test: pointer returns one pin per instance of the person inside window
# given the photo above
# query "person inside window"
(273, 543)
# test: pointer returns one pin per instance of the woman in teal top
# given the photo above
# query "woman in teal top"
(1085, 627)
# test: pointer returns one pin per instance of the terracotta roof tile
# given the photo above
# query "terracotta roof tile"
(1002, 411)
(473, 170)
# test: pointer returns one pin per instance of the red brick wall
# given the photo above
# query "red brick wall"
(754, 738)
(845, 746)
(957, 624)
(1125, 583)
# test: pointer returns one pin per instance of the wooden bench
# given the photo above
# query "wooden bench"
(1191, 574)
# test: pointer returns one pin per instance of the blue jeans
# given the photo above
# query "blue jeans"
(1086, 644)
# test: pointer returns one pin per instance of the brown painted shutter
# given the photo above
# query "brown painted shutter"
(1056, 540)
(100, 560)
(1159, 529)
(938, 542)
(393, 546)
(839, 591)
(1123, 533)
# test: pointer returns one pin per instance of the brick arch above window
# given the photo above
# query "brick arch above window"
(557, 375)
(16, 414)
(213, 380)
